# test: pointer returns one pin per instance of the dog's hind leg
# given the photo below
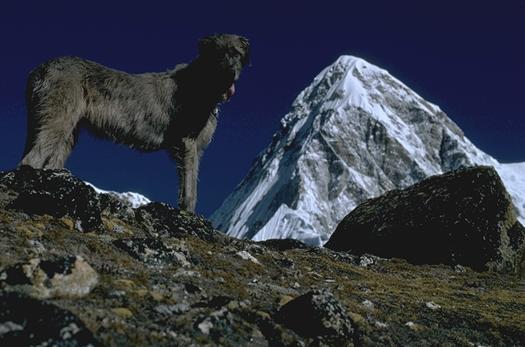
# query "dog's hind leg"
(54, 107)
(49, 145)
(51, 136)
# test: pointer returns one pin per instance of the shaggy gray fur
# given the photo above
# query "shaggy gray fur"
(174, 110)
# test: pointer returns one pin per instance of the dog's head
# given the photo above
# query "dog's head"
(226, 55)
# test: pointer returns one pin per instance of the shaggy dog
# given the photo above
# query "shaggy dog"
(174, 110)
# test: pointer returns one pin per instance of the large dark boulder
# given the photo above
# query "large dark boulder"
(462, 217)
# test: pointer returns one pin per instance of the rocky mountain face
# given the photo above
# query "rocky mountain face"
(353, 134)
(78, 268)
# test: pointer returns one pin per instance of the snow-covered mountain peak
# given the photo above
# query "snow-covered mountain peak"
(354, 81)
(354, 133)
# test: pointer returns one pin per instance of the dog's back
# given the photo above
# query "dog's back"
(129, 109)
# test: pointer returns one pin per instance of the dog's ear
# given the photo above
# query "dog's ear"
(245, 46)
(206, 45)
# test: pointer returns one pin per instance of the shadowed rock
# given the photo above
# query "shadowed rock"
(29, 322)
(318, 315)
(463, 217)
(284, 244)
(153, 251)
(160, 217)
(53, 192)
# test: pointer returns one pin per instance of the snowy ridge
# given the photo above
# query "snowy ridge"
(132, 199)
(354, 133)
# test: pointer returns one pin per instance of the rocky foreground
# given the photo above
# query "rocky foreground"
(79, 268)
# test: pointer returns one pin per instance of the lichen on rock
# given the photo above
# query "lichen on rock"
(66, 277)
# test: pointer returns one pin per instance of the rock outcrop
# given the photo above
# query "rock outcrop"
(83, 269)
(54, 194)
(63, 277)
(463, 217)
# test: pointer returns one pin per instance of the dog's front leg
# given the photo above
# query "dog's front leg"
(187, 167)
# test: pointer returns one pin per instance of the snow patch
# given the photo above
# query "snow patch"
(135, 200)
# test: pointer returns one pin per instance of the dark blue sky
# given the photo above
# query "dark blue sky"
(466, 56)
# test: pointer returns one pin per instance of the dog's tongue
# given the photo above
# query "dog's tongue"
(230, 91)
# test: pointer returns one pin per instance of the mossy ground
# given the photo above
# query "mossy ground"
(136, 304)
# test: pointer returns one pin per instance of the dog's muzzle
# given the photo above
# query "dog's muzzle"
(229, 93)
(232, 75)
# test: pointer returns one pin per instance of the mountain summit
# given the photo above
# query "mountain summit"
(353, 134)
